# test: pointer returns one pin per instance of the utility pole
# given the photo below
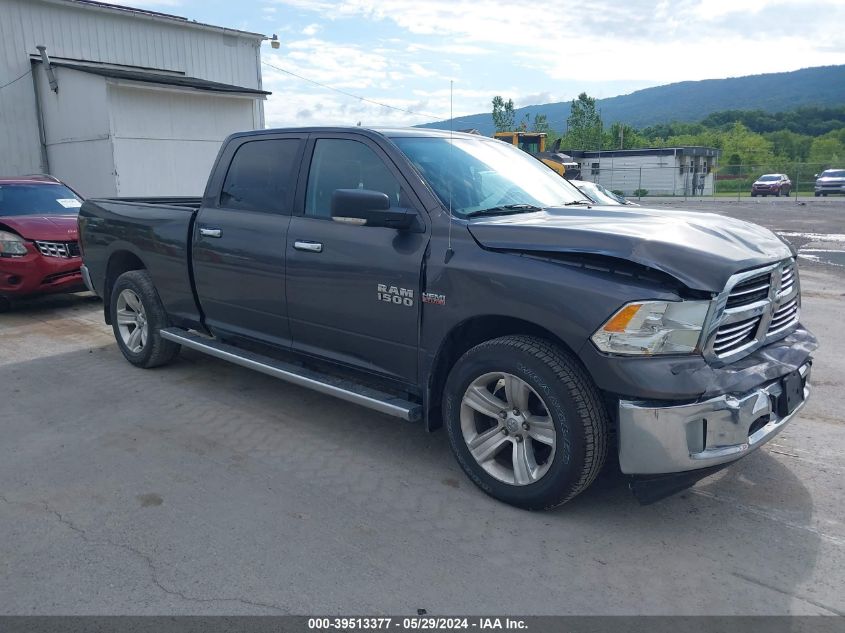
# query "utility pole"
(621, 136)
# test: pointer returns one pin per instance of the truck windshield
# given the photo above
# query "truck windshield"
(40, 199)
(472, 175)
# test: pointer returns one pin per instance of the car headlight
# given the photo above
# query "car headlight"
(643, 328)
(11, 245)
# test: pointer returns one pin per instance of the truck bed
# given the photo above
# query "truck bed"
(170, 201)
(156, 232)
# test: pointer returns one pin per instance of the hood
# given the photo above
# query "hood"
(701, 250)
(54, 228)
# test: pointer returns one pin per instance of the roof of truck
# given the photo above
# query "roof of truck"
(389, 132)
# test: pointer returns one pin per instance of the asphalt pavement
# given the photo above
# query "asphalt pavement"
(205, 488)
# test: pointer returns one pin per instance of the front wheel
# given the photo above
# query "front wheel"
(137, 316)
(525, 421)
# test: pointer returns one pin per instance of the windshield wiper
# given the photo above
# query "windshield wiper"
(574, 202)
(504, 209)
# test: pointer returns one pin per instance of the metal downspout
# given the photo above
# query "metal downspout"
(39, 117)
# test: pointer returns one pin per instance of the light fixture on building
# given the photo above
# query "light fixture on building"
(274, 41)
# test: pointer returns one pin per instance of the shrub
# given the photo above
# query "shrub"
(639, 193)
(619, 192)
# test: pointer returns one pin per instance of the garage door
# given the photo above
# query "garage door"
(165, 141)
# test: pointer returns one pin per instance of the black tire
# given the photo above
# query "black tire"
(157, 351)
(572, 400)
(753, 195)
(5, 304)
(817, 194)
(778, 193)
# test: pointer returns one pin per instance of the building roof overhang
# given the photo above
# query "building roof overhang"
(150, 76)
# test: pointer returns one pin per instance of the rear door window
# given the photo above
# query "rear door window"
(261, 176)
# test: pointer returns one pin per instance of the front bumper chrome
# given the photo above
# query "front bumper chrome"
(657, 439)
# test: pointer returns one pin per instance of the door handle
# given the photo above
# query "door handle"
(311, 247)
(211, 232)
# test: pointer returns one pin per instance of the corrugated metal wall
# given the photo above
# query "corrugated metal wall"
(103, 35)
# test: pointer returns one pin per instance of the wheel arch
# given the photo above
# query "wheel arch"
(120, 261)
(463, 337)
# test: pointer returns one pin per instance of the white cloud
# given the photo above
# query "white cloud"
(353, 69)
(311, 29)
(605, 39)
(420, 71)
(327, 108)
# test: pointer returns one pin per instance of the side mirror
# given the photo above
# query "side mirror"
(815, 175)
(369, 208)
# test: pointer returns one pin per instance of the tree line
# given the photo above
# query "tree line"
(746, 137)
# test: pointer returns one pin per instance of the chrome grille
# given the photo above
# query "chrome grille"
(58, 249)
(784, 316)
(755, 308)
(787, 279)
(734, 336)
(750, 291)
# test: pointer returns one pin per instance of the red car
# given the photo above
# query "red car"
(39, 248)
(771, 185)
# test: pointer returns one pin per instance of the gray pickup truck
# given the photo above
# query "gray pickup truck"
(454, 280)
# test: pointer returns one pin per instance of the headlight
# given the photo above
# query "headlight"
(11, 245)
(643, 328)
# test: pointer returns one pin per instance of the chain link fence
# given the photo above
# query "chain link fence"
(702, 180)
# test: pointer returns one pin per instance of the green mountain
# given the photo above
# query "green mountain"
(689, 101)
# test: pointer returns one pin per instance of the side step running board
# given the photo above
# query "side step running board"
(337, 387)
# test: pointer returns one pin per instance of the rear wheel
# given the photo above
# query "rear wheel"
(525, 421)
(5, 304)
(137, 315)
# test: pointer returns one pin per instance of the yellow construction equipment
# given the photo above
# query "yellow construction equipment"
(534, 143)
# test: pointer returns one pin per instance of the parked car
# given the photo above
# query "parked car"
(454, 279)
(39, 252)
(830, 181)
(771, 185)
(601, 194)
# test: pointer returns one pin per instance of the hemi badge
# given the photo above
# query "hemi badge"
(433, 297)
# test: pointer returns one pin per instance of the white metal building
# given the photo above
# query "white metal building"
(124, 102)
(664, 171)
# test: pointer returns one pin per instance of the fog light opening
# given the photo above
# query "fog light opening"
(758, 424)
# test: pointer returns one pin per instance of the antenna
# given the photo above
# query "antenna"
(449, 251)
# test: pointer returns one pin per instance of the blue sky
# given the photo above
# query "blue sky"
(405, 52)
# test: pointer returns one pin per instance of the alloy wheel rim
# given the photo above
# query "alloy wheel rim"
(132, 321)
(508, 429)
